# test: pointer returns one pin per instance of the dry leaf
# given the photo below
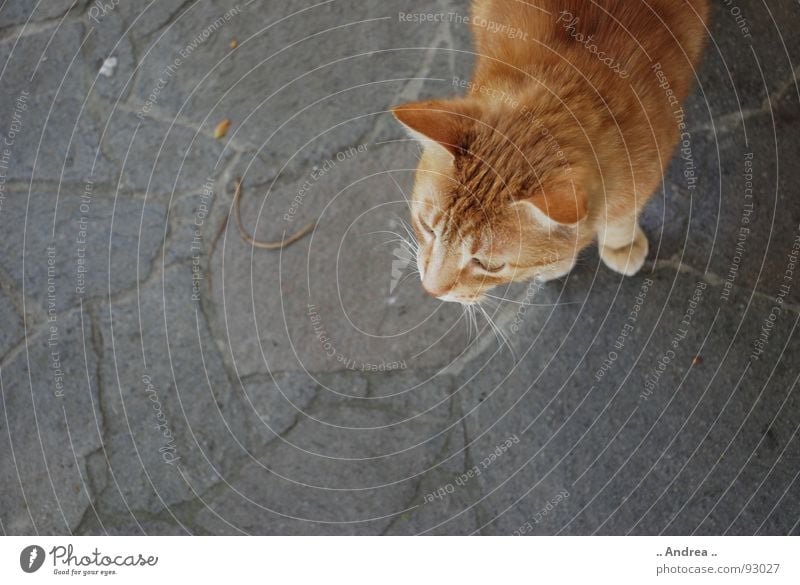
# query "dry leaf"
(222, 129)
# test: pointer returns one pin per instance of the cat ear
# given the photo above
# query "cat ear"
(564, 203)
(440, 122)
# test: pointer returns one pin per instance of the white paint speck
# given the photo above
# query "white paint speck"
(108, 66)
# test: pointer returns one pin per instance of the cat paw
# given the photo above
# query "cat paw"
(628, 259)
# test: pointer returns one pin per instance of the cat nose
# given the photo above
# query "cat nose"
(435, 291)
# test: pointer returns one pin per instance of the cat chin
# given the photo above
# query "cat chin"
(463, 302)
(450, 299)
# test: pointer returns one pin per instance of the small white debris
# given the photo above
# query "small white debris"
(108, 67)
(391, 300)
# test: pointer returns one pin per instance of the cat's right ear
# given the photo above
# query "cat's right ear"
(562, 203)
(443, 123)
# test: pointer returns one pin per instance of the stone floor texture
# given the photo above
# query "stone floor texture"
(158, 375)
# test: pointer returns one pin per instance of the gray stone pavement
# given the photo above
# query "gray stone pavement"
(159, 376)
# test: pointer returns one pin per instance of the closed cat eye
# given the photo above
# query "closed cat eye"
(486, 267)
(426, 227)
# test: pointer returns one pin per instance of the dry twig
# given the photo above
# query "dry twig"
(301, 233)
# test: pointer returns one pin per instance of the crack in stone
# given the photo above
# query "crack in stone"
(727, 122)
(32, 330)
(479, 513)
(781, 92)
(416, 495)
(35, 27)
(100, 190)
(116, 520)
(361, 404)
(34, 310)
(207, 304)
(732, 120)
(162, 116)
(716, 281)
(220, 486)
(98, 348)
(96, 341)
(90, 513)
(173, 16)
(455, 415)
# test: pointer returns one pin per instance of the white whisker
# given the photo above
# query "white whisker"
(465, 316)
(383, 232)
(502, 338)
(471, 323)
(407, 276)
(409, 230)
(401, 241)
(405, 197)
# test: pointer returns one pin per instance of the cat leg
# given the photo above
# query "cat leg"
(623, 246)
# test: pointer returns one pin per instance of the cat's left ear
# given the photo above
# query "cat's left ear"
(443, 123)
(565, 203)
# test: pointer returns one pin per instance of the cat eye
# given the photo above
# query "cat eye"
(490, 269)
(426, 227)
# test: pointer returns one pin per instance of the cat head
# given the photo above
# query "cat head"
(499, 197)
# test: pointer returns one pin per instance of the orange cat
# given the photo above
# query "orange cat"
(572, 114)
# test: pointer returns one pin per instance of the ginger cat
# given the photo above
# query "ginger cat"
(570, 119)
